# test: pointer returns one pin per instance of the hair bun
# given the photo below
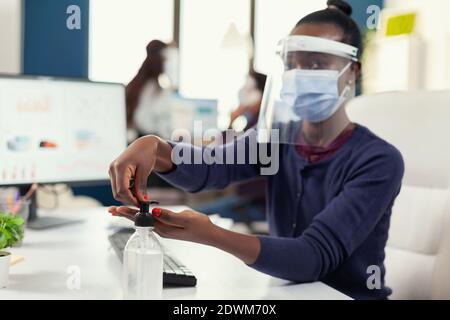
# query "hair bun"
(340, 5)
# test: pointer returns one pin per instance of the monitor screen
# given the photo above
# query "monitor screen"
(195, 110)
(55, 130)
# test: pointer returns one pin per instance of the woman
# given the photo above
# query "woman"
(330, 202)
(147, 101)
(146, 79)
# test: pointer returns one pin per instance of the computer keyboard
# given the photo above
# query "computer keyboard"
(175, 273)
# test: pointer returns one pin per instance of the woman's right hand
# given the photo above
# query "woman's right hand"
(146, 154)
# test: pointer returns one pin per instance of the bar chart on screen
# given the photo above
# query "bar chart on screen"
(16, 172)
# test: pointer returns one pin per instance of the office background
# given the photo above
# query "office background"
(125, 33)
(115, 33)
(110, 45)
(407, 68)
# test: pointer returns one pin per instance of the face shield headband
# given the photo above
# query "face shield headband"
(317, 44)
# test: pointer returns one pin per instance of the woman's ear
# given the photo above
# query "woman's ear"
(356, 67)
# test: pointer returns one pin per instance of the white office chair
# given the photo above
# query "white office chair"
(418, 251)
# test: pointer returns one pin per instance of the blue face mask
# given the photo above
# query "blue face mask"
(313, 94)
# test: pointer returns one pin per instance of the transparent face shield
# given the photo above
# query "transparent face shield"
(311, 80)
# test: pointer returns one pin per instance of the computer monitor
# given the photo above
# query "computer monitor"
(59, 130)
(196, 110)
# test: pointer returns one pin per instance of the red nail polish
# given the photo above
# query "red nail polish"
(146, 197)
(156, 212)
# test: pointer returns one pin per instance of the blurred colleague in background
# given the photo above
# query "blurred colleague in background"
(247, 202)
(250, 97)
(148, 101)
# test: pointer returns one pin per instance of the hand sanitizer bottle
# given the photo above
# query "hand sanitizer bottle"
(143, 260)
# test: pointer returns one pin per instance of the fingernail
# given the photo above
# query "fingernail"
(156, 212)
(146, 197)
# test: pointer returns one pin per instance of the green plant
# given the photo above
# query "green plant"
(11, 230)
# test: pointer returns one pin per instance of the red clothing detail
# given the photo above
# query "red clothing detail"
(315, 154)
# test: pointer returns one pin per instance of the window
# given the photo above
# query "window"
(274, 21)
(10, 36)
(214, 51)
(119, 32)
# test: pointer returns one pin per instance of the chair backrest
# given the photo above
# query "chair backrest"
(418, 124)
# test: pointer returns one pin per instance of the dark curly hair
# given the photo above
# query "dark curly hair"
(338, 13)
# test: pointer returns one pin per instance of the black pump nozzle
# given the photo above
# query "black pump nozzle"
(145, 207)
(144, 218)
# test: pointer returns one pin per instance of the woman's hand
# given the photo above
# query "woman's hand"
(186, 225)
(143, 156)
(194, 226)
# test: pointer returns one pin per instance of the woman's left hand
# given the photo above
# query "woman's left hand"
(186, 225)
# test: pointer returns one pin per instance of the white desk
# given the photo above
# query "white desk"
(49, 255)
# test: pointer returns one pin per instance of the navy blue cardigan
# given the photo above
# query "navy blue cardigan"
(328, 221)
